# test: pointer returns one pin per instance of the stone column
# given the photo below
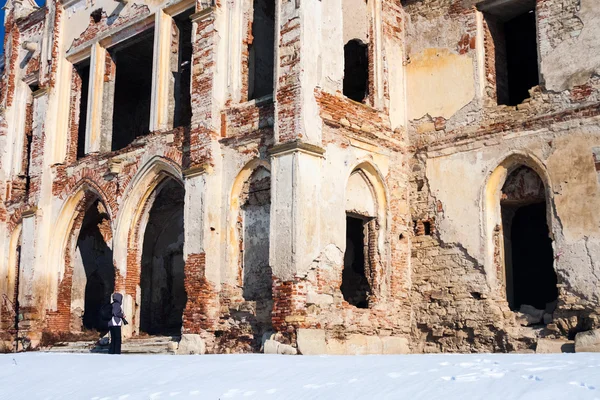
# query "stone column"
(295, 159)
(295, 227)
(95, 112)
(162, 74)
(28, 299)
(201, 278)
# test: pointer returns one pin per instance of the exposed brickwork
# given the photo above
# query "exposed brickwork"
(557, 22)
(288, 89)
(62, 319)
(422, 286)
(203, 300)
(248, 117)
(96, 29)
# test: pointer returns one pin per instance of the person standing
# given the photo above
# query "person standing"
(115, 323)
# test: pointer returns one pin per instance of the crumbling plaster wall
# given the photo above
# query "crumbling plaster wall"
(458, 299)
(321, 305)
(452, 302)
(441, 59)
(456, 32)
(564, 159)
(570, 168)
(576, 58)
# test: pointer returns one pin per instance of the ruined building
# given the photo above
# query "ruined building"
(356, 176)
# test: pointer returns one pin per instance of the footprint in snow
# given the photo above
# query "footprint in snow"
(123, 397)
(352, 380)
(465, 364)
(173, 394)
(395, 375)
(462, 378)
(534, 369)
(231, 393)
(194, 392)
(270, 391)
(582, 385)
(155, 395)
(532, 378)
(493, 373)
(444, 363)
(249, 393)
(311, 386)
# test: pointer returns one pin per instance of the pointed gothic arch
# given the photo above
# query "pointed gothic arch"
(518, 227)
(82, 256)
(365, 257)
(142, 278)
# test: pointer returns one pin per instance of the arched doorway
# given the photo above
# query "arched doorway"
(163, 295)
(528, 256)
(93, 269)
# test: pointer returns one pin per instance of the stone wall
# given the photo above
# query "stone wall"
(248, 203)
(458, 262)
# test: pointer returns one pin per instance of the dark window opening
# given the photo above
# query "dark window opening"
(356, 70)
(531, 279)
(96, 15)
(83, 71)
(97, 259)
(133, 89)
(513, 30)
(355, 285)
(183, 75)
(163, 296)
(15, 298)
(261, 52)
(427, 228)
(28, 149)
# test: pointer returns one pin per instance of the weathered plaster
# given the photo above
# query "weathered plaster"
(431, 76)
(576, 59)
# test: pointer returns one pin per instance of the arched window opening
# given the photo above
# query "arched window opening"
(163, 295)
(257, 276)
(356, 70)
(356, 55)
(528, 256)
(93, 270)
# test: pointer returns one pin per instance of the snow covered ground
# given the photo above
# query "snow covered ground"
(498, 376)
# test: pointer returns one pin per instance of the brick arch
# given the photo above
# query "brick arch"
(16, 218)
(66, 232)
(133, 215)
(491, 213)
(93, 180)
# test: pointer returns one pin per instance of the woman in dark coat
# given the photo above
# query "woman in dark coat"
(115, 323)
